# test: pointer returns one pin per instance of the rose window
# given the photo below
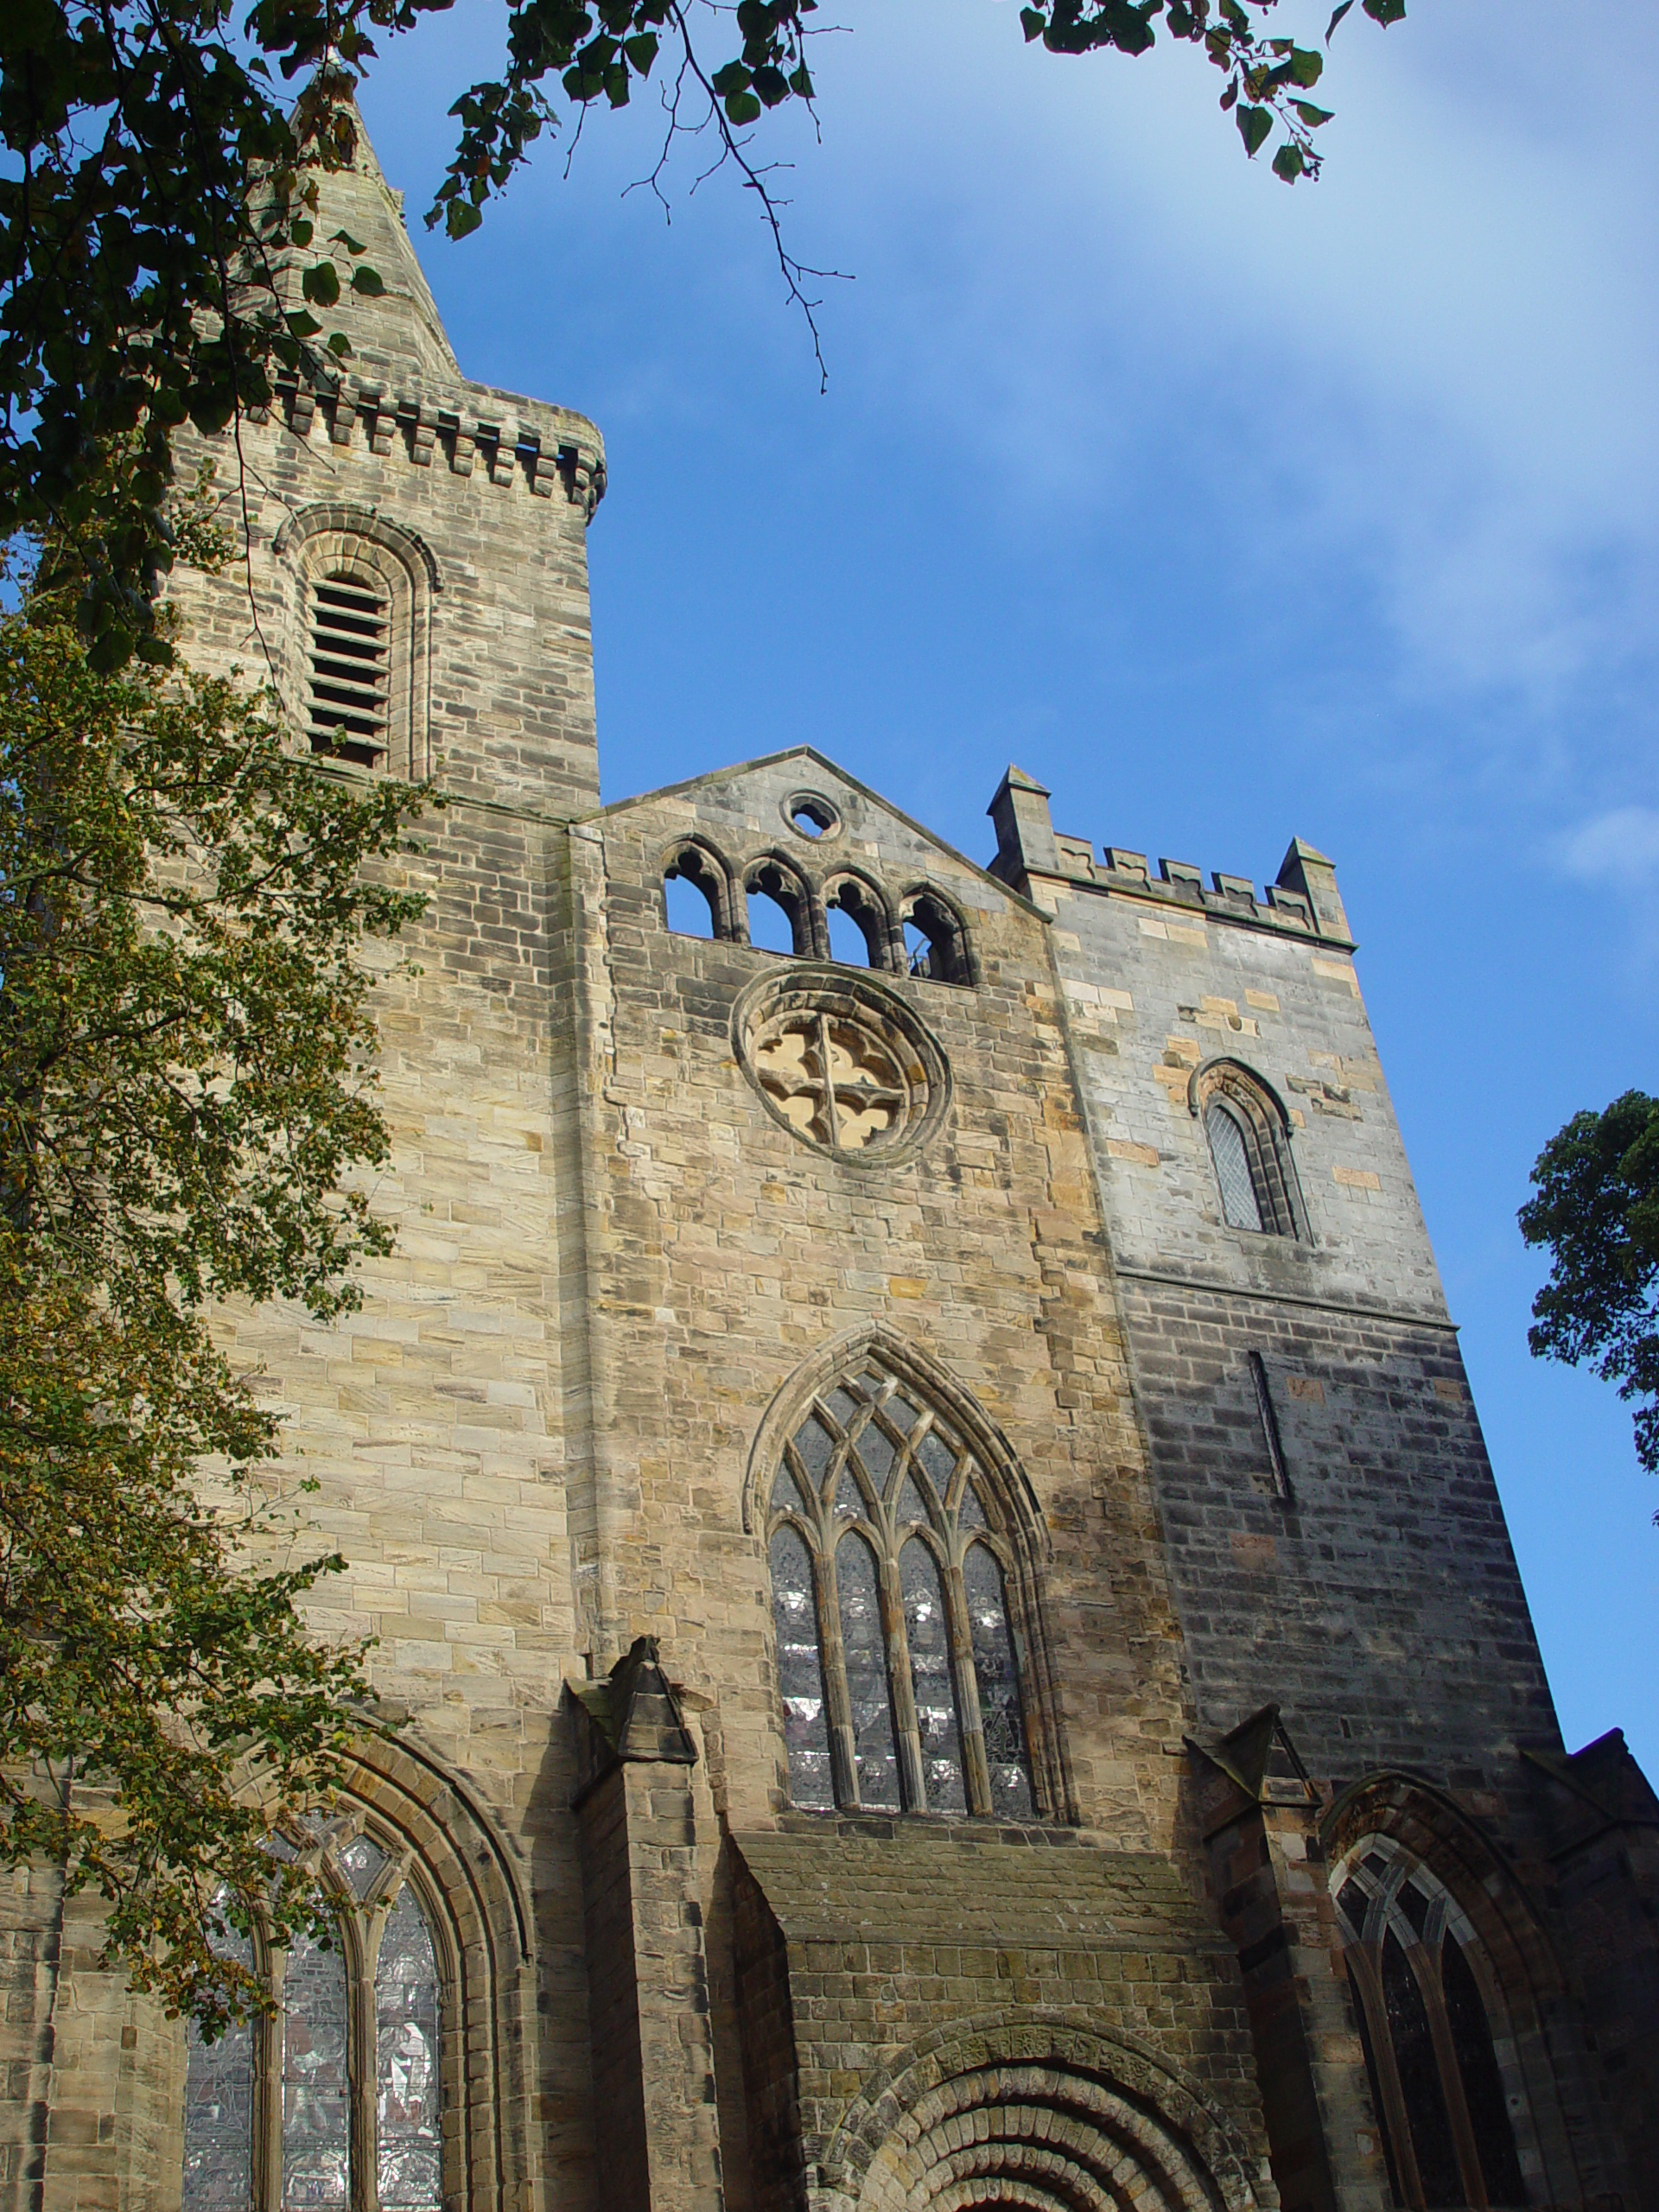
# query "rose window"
(844, 1064)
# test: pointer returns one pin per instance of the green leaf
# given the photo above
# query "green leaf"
(301, 325)
(369, 281)
(1306, 67)
(1254, 124)
(300, 229)
(1289, 162)
(641, 51)
(320, 282)
(733, 78)
(461, 218)
(1312, 115)
(742, 108)
(345, 238)
(1032, 23)
(339, 345)
(1385, 11)
(1336, 19)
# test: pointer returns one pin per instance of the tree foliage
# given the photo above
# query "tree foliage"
(158, 255)
(1597, 1211)
(185, 1086)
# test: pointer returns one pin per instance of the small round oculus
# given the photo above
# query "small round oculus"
(810, 815)
(842, 1063)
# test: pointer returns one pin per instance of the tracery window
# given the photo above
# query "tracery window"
(1427, 2034)
(333, 2101)
(1249, 1148)
(897, 1653)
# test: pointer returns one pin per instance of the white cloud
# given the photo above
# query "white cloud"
(1619, 848)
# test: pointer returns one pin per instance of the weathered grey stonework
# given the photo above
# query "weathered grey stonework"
(1205, 1572)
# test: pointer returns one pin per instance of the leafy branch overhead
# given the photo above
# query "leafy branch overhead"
(159, 261)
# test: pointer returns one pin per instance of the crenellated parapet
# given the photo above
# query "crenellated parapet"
(1303, 899)
(471, 429)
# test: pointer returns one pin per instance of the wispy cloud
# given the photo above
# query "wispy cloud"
(1619, 849)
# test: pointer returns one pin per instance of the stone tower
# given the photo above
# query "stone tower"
(945, 1634)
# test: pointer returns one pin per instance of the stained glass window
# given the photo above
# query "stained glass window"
(800, 1671)
(1238, 1200)
(409, 2152)
(910, 1509)
(316, 2132)
(1448, 2123)
(930, 1672)
(363, 1859)
(865, 1652)
(1482, 2085)
(998, 1680)
(319, 2093)
(896, 1467)
(219, 2110)
(1420, 2077)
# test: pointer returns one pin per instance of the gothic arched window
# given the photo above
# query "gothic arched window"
(898, 1654)
(1249, 1148)
(935, 941)
(1415, 1968)
(698, 891)
(277, 2117)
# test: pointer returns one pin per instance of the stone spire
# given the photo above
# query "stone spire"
(397, 335)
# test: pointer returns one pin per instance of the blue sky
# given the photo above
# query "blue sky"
(1231, 512)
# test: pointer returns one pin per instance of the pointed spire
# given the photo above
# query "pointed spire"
(399, 330)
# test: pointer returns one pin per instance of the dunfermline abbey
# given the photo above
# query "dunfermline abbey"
(950, 1636)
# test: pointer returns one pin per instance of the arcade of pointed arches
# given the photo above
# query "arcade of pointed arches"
(920, 933)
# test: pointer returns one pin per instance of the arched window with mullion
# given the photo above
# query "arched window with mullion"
(334, 2100)
(1427, 2035)
(885, 1535)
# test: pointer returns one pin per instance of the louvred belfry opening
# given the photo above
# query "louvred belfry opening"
(350, 652)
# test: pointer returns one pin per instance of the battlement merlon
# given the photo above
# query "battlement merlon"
(1303, 900)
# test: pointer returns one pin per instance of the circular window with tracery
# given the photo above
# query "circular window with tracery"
(842, 1063)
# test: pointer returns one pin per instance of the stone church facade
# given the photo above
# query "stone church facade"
(946, 1635)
